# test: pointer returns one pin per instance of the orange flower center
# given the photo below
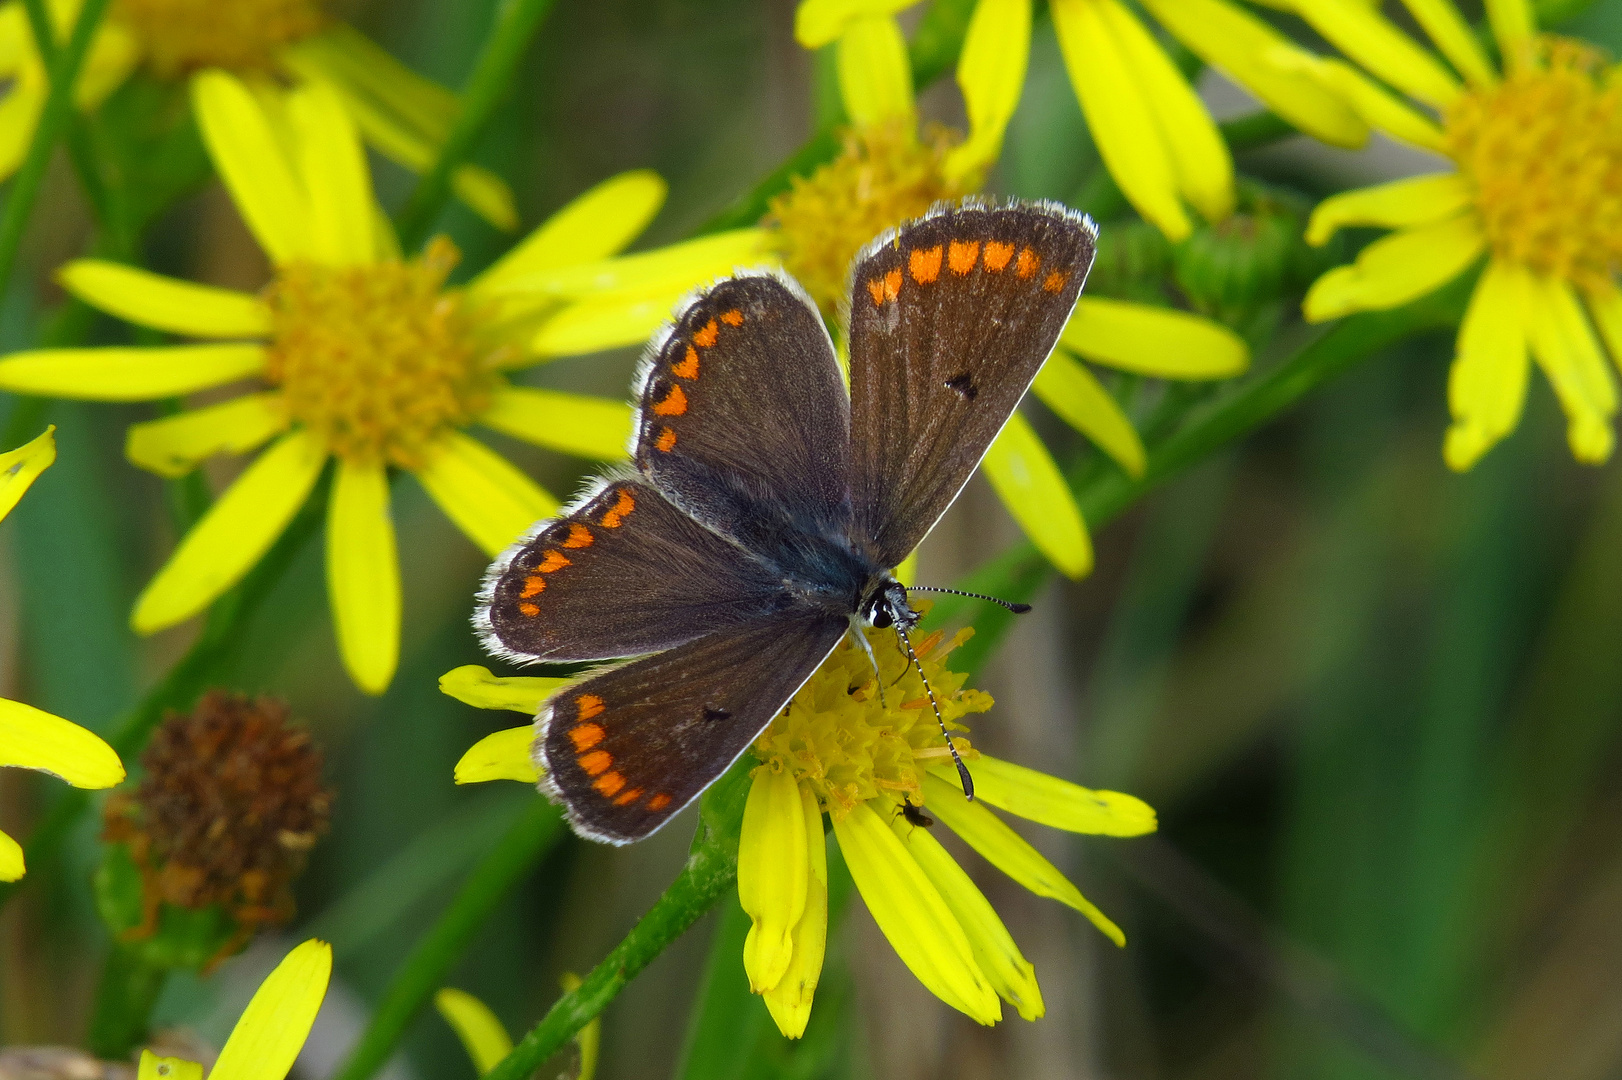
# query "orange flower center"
(181, 36)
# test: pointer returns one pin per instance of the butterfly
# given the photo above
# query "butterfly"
(766, 505)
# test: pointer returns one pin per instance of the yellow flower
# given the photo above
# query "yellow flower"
(271, 43)
(1536, 188)
(29, 738)
(486, 1040)
(367, 358)
(886, 175)
(878, 768)
(271, 1030)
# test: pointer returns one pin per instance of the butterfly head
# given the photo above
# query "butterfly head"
(886, 605)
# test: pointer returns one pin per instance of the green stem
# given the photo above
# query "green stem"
(64, 73)
(535, 832)
(493, 73)
(125, 999)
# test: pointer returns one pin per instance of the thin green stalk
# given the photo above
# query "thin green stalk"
(537, 829)
(493, 73)
(125, 999)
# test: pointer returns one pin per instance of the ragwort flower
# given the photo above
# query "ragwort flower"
(876, 766)
(887, 174)
(270, 43)
(1536, 188)
(30, 738)
(367, 358)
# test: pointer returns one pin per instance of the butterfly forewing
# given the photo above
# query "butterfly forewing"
(627, 748)
(950, 320)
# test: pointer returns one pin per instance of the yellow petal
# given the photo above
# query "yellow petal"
(820, 22)
(19, 468)
(1198, 155)
(128, 374)
(1362, 33)
(502, 755)
(114, 53)
(1398, 268)
(1033, 489)
(363, 574)
(174, 445)
(153, 1067)
(482, 492)
(1513, 24)
(1048, 800)
(1448, 30)
(991, 75)
(907, 572)
(1004, 966)
(595, 225)
(253, 165)
(12, 865)
(789, 1001)
(1237, 43)
(277, 1021)
(912, 915)
(772, 868)
(33, 739)
(1003, 848)
(1376, 106)
(1606, 304)
(1486, 388)
(1400, 204)
(1117, 115)
(237, 530)
(875, 75)
(474, 685)
(610, 321)
(674, 268)
(1564, 346)
(590, 427)
(336, 178)
(482, 1035)
(19, 117)
(1154, 340)
(148, 299)
(1069, 389)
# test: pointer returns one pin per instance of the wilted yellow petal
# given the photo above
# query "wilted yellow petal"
(1004, 966)
(1447, 28)
(237, 530)
(1362, 33)
(148, 299)
(276, 1022)
(33, 739)
(153, 1067)
(912, 915)
(875, 76)
(336, 178)
(1154, 340)
(128, 374)
(1373, 103)
(502, 755)
(1400, 204)
(1033, 489)
(1512, 24)
(991, 75)
(483, 1036)
(819, 22)
(1069, 389)
(19, 468)
(363, 574)
(590, 427)
(674, 268)
(789, 1001)
(1048, 800)
(482, 492)
(1564, 346)
(1005, 849)
(473, 685)
(174, 445)
(595, 225)
(1486, 388)
(253, 166)
(1398, 268)
(772, 867)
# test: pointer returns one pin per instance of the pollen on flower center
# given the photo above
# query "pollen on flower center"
(1543, 151)
(378, 359)
(181, 36)
(839, 741)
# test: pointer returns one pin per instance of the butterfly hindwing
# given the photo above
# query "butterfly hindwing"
(951, 318)
(624, 573)
(628, 747)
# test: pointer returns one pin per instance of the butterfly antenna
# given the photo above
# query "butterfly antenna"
(962, 769)
(878, 677)
(1017, 609)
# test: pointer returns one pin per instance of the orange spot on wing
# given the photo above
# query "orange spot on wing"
(617, 513)
(533, 586)
(629, 797)
(875, 289)
(587, 706)
(925, 264)
(666, 440)
(658, 802)
(673, 403)
(585, 736)
(595, 762)
(609, 783)
(961, 255)
(706, 337)
(1028, 262)
(997, 255)
(688, 368)
(892, 284)
(1054, 282)
(733, 317)
(529, 609)
(552, 560)
(579, 536)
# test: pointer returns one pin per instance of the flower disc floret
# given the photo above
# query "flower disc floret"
(181, 36)
(378, 359)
